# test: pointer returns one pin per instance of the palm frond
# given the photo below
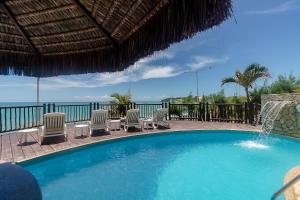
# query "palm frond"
(229, 80)
(121, 99)
(252, 66)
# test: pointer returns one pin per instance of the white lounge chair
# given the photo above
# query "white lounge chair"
(132, 119)
(99, 120)
(159, 118)
(54, 125)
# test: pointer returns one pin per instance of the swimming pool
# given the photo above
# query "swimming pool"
(213, 165)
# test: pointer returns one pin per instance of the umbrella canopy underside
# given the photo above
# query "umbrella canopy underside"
(45, 38)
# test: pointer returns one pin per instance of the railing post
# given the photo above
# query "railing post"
(169, 111)
(90, 110)
(44, 108)
(1, 120)
(240, 113)
(204, 112)
(251, 113)
(207, 112)
(53, 108)
(246, 113)
(199, 111)
(49, 108)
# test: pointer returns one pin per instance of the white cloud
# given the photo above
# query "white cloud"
(141, 70)
(205, 61)
(284, 7)
(160, 72)
(157, 56)
(112, 78)
(18, 85)
(58, 83)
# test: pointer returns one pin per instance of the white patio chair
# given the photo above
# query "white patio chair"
(99, 120)
(160, 118)
(132, 119)
(54, 125)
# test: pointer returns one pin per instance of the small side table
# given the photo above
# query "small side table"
(115, 124)
(23, 134)
(147, 123)
(81, 128)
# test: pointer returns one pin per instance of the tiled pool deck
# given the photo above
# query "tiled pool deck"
(11, 151)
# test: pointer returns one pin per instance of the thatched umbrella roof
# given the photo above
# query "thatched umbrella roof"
(58, 37)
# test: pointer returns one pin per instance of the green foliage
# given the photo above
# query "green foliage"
(255, 95)
(235, 99)
(218, 97)
(174, 110)
(248, 77)
(121, 99)
(203, 98)
(285, 84)
(189, 99)
(297, 90)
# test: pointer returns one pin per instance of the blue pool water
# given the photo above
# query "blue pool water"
(223, 165)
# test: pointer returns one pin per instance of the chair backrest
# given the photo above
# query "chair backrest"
(160, 114)
(133, 116)
(99, 117)
(54, 121)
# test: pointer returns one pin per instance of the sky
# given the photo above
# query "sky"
(262, 31)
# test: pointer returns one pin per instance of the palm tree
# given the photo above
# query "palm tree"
(121, 103)
(121, 99)
(247, 78)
